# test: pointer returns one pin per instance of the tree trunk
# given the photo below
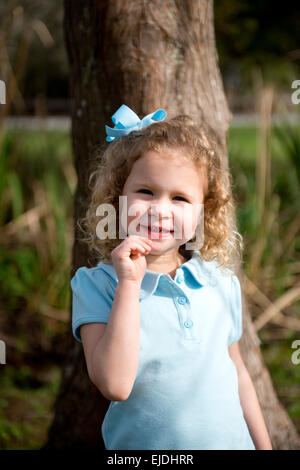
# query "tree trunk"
(148, 55)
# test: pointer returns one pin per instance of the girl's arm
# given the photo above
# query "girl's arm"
(112, 356)
(249, 402)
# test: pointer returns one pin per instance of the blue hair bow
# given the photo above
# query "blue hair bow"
(126, 121)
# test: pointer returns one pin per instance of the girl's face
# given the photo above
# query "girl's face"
(164, 191)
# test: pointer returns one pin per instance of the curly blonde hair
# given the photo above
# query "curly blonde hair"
(222, 241)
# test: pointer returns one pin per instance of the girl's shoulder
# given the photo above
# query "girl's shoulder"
(101, 274)
(213, 272)
(227, 279)
(93, 292)
(221, 271)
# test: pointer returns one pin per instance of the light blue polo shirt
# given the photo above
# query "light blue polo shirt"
(185, 395)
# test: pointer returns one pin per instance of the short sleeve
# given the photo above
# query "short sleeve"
(236, 310)
(92, 298)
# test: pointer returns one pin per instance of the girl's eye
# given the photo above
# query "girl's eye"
(142, 190)
(148, 190)
(181, 197)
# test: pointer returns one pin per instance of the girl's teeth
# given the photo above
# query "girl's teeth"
(158, 230)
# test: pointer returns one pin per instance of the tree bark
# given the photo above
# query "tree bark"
(148, 55)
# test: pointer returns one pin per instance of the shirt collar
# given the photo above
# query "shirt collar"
(202, 271)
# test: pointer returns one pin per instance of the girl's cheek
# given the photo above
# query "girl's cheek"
(185, 222)
(137, 213)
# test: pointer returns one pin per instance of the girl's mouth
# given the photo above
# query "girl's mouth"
(158, 233)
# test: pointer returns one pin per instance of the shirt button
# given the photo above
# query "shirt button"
(180, 279)
(182, 300)
(188, 323)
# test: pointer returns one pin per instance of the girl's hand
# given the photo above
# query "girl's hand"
(129, 258)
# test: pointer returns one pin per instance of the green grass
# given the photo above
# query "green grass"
(242, 144)
(26, 406)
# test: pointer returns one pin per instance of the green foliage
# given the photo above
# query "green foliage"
(253, 35)
(35, 176)
(288, 138)
(279, 241)
(26, 406)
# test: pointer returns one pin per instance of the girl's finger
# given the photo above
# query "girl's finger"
(144, 239)
(136, 247)
(126, 249)
(140, 241)
(147, 245)
(139, 248)
(146, 242)
(138, 251)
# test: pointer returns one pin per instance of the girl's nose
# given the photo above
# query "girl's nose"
(160, 210)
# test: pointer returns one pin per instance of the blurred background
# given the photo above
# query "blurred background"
(258, 45)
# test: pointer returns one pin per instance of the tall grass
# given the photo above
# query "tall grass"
(265, 165)
(37, 183)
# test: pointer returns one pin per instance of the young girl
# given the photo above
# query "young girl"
(160, 322)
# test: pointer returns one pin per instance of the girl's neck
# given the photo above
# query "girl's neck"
(165, 263)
